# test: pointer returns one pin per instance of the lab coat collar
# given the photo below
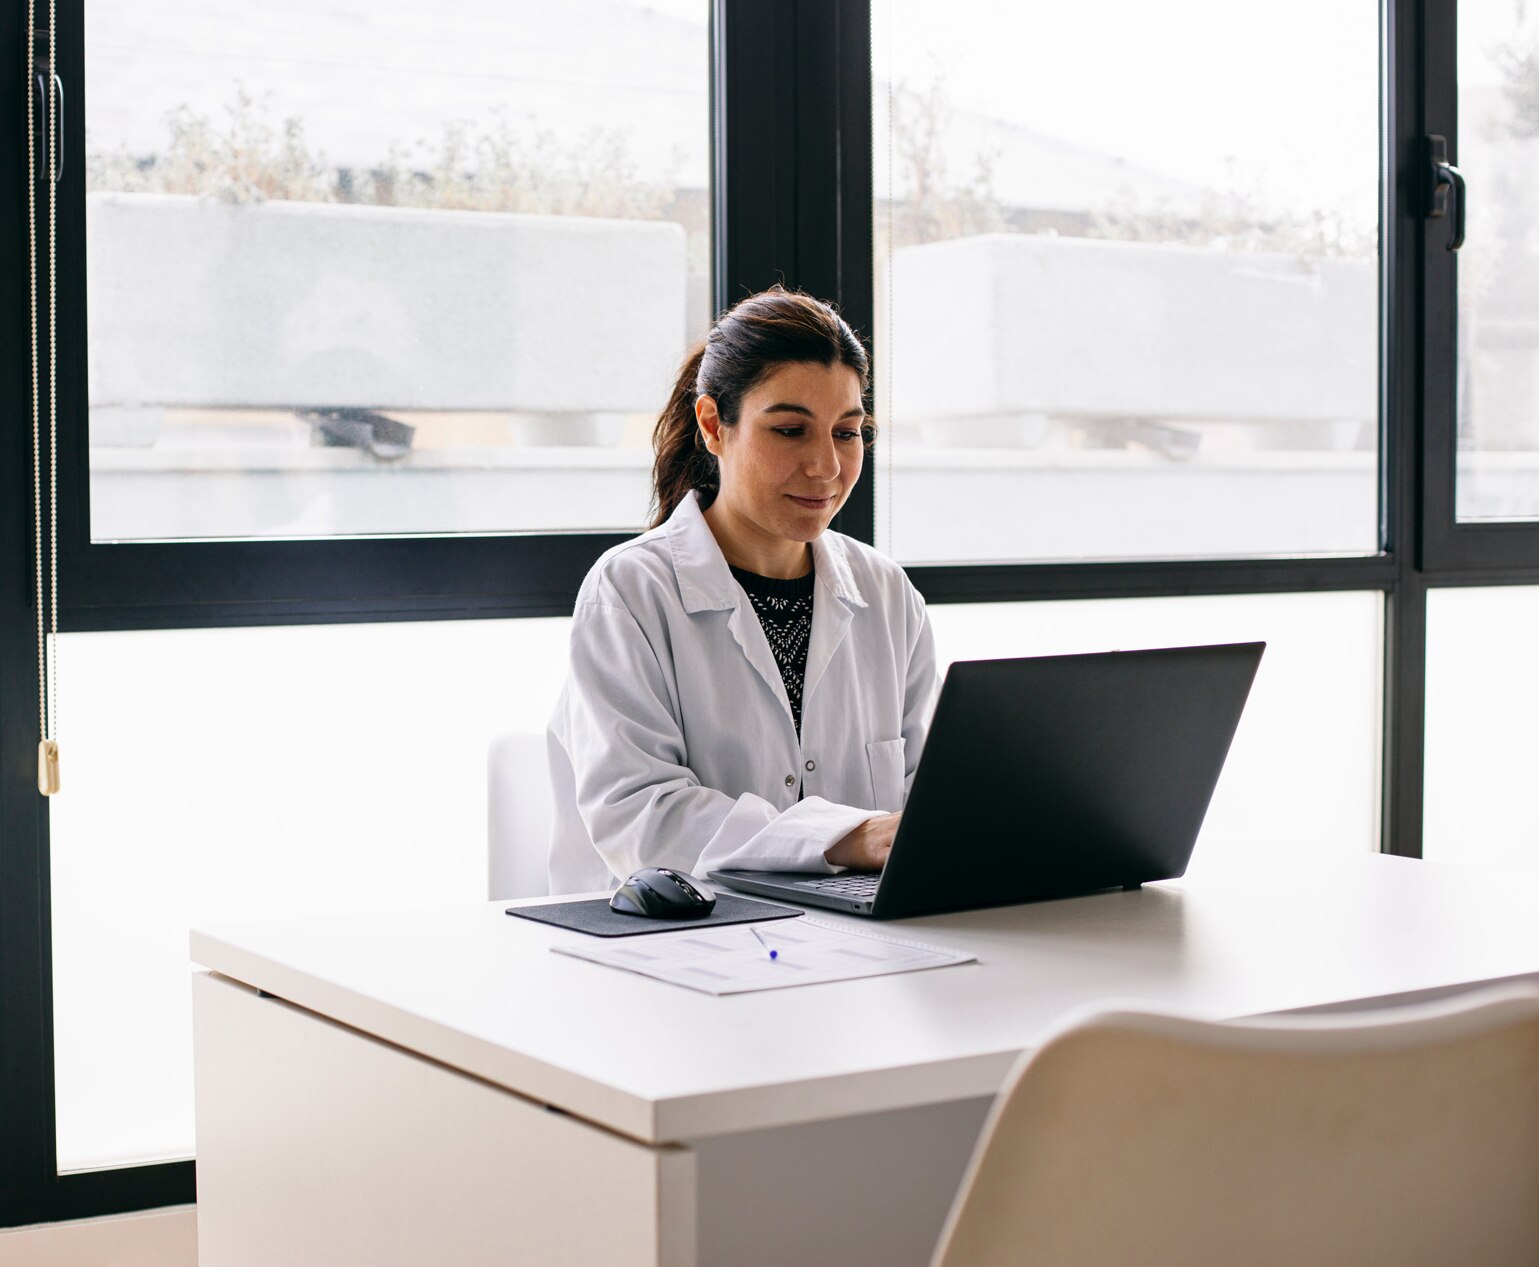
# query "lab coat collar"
(706, 584)
(833, 569)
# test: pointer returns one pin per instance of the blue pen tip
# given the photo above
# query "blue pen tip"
(774, 954)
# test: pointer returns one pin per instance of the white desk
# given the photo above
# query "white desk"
(436, 1086)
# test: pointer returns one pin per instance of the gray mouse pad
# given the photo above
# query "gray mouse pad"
(592, 915)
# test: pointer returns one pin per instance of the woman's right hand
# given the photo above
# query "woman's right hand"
(866, 848)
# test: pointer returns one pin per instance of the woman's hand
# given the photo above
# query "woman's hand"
(866, 848)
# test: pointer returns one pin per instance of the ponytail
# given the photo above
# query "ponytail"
(757, 335)
(683, 462)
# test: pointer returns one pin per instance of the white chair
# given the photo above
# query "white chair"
(518, 816)
(1408, 1137)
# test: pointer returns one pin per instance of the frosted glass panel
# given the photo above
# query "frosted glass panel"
(217, 776)
(1482, 698)
(1303, 773)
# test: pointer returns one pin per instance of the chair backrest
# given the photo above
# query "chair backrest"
(518, 816)
(1406, 1136)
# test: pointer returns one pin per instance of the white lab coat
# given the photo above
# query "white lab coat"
(673, 743)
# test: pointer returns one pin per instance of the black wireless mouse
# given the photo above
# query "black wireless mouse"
(663, 893)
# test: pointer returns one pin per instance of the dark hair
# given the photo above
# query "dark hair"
(751, 339)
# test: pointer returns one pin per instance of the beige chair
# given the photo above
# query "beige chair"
(1407, 1137)
(518, 816)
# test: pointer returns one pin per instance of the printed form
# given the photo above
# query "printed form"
(736, 959)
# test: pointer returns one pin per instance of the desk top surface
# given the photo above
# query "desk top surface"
(481, 992)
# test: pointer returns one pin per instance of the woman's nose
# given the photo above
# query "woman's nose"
(823, 460)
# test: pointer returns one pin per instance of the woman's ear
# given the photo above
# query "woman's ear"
(709, 422)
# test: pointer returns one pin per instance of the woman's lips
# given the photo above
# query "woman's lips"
(812, 503)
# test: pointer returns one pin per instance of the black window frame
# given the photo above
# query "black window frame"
(1470, 552)
(792, 202)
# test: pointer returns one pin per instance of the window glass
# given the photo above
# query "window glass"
(1498, 379)
(1482, 697)
(244, 775)
(384, 266)
(1127, 295)
(1303, 772)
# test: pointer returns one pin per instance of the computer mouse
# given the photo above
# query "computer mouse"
(663, 893)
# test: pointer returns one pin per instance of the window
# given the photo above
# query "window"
(387, 270)
(1498, 282)
(1246, 418)
(1119, 323)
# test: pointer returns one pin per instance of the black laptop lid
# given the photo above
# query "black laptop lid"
(1057, 775)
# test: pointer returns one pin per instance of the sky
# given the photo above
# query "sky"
(1211, 91)
(367, 75)
(1282, 102)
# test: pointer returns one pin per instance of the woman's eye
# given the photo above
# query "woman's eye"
(844, 434)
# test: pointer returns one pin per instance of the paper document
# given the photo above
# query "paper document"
(733, 960)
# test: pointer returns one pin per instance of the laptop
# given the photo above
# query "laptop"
(1049, 777)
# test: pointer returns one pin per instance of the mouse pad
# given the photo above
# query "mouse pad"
(592, 915)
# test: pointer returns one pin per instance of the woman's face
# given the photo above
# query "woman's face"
(787, 466)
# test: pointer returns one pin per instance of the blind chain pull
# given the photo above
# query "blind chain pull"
(47, 634)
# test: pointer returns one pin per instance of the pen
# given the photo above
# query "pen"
(773, 953)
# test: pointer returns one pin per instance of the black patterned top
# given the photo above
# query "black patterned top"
(785, 611)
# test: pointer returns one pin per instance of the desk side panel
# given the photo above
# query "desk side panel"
(870, 1189)
(318, 1144)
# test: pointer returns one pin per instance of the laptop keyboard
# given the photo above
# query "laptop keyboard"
(861, 885)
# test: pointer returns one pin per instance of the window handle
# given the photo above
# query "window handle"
(1445, 187)
(42, 127)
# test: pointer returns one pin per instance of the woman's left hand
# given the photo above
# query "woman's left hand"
(866, 848)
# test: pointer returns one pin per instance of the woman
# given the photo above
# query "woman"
(746, 688)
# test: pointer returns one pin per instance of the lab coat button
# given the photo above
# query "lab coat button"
(790, 780)
(812, 765)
